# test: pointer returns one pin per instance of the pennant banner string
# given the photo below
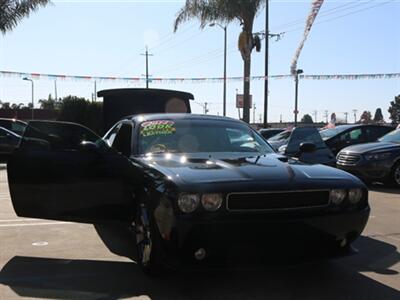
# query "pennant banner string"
(39, 76)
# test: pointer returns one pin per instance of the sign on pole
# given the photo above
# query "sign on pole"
(240, 101)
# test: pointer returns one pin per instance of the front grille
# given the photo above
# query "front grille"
(277, 200)
(348, 159)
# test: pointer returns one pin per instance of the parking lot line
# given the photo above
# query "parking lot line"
(19, 220)
(35, 224)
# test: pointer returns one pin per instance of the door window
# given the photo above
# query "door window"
(354, 135)
(59, 136)
(122, 142)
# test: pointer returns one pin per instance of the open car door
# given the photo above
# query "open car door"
(63, 171)
(321, 155)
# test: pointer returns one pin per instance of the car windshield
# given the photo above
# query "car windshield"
(392, 137)
(199, 136)
(280, 136)
(330, 132)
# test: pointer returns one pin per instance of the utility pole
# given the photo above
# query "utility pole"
(346, 116)
(355, 115)
(147, 66)
(326, 116)
(95, 91)
(267, 36)
(260, 119)
(55, 89)
(254, 112)
(315, 112)
(205, 108)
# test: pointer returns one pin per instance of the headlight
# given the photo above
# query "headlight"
(337, 196)
(377, 156)
(355, 195)
(211, 202)
(188, 202)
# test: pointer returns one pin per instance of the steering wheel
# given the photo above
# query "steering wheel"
(158, 148)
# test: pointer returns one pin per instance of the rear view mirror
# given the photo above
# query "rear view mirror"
(307, 147)
(88, 147)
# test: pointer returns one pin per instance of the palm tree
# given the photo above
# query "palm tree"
(226, 11)
(12, 11)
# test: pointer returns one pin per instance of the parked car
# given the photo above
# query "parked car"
(192, 188)
(268, 133)
(14, 125)
(346, 135)
(280, 139)
(379, 161)
(8, 142)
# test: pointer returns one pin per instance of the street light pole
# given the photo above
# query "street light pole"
(33, 97)
(225, 45)
(299, 71)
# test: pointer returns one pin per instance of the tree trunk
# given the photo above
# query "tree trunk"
(246, 89)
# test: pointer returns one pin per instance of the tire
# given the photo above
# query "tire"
(150, 253)
(394, 179)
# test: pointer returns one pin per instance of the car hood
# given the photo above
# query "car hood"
(368, 147)
(271, 170)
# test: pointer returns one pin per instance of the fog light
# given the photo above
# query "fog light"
(188, 202)
(211, 202)
(337, 196)
(355, 196)
(200, 254)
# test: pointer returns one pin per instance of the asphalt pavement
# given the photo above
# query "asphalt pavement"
(42, 259)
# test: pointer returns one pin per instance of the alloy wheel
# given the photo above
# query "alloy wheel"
(397, 175)
(143, 236)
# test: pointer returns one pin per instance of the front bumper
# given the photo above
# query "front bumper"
(369, 170)
(316, 235)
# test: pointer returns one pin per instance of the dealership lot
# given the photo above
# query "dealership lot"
(57, 260)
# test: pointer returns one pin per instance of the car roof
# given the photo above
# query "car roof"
(12, 120)
(271, 129)
(175, 116)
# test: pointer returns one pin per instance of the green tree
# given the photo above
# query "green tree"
(307, 119)
(12, 11)
(49, 103)
(366, 117)
(394, 110)
(82, 111)
(5, 105)
(378, 117)
(227, 11)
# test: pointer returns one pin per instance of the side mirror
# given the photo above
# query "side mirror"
(307, 147)
(88, 147)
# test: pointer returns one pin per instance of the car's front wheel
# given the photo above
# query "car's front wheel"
(148, 243)
(395, 175)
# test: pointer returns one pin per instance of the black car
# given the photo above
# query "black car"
(8, 142)
(268, 133)
(193, 187)
(346, 135)
(14, 125)
(378, 161)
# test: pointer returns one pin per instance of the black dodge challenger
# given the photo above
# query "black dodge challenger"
(192, 187)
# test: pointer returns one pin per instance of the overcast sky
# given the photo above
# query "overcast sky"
(106, 38)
